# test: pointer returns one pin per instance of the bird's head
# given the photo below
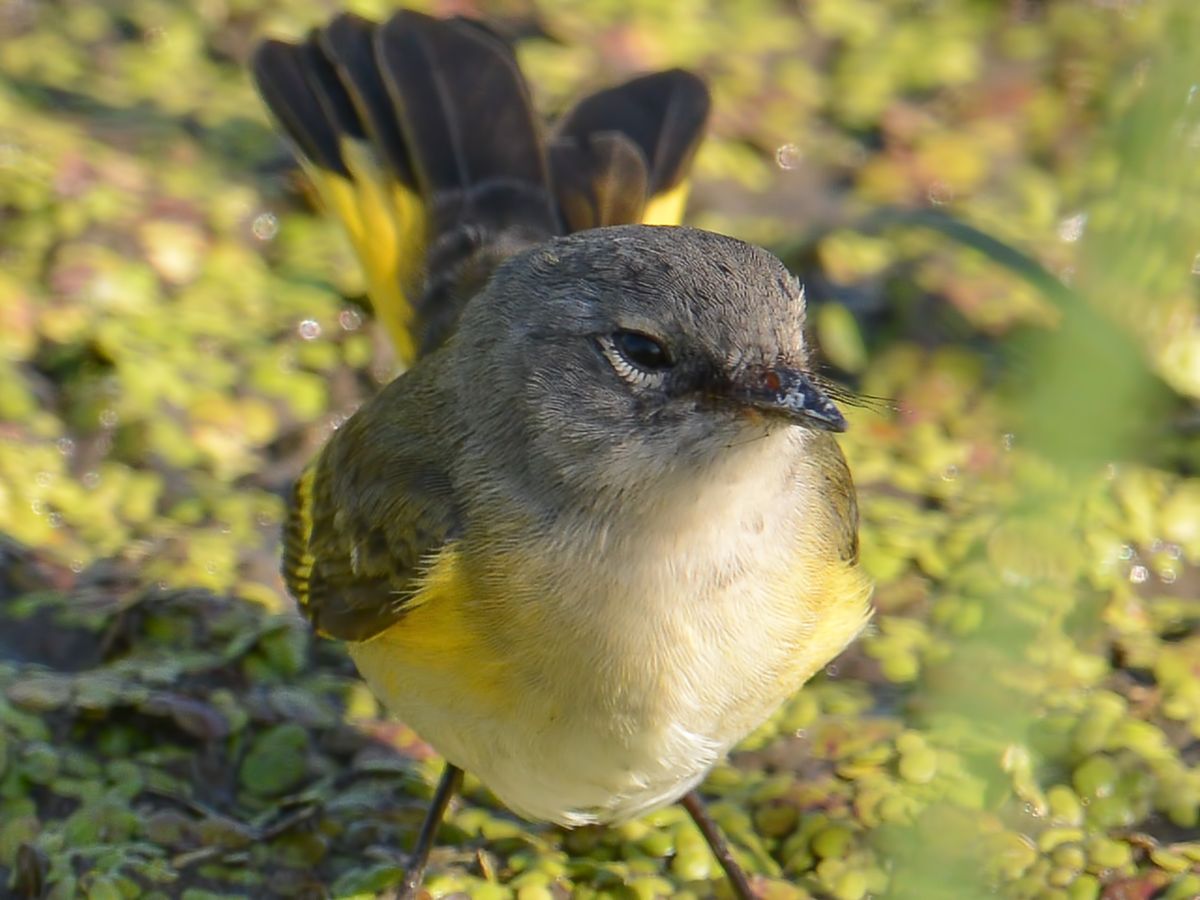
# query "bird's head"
(624, 355)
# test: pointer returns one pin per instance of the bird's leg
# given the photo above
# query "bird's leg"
(716, 842)
(448, 786)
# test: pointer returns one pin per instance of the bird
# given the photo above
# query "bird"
(599, 528)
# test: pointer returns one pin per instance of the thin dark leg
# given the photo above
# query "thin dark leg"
(716, 842)
(448, 786)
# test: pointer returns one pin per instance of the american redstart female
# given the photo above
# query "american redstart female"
(600, 528)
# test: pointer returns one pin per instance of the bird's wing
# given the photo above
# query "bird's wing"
(367, 515)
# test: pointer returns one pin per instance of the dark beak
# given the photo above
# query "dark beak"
(791, 394)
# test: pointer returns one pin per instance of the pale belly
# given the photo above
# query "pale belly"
(572, 723)
(557, 765)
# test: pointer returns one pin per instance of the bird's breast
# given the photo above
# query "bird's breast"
(599, 669)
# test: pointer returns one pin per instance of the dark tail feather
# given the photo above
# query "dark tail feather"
(349, 43)
(601, 180)
(421, 136)
(281, 72)
(468, 119)
(661, 115)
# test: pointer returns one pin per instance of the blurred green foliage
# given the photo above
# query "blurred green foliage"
(179, 330)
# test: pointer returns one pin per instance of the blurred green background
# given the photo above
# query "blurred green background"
(995, 207)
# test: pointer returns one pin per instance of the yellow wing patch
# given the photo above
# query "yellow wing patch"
(297, 560)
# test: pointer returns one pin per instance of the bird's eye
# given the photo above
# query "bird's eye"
(637, 358)
(642, 350)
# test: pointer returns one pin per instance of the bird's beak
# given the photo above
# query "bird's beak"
(791, 394)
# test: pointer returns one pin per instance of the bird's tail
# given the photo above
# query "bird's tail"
(420, 136)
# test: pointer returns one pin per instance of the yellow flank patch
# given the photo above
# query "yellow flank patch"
(667, 208)
(439, 638)
(844, 607)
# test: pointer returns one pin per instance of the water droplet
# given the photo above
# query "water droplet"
(1168, 576)
(1009, 440)
(1111, 471)
(265, 226)
(950, 473)
(831, 670)
(76, 566)
(90, 479)
(1174, 551)
(788, 156)
(38, 507)
(309, 329)
(1156, 545)
(54, 520)
(350, 319)
(1139, 574)
(109, 418)
(66, 446)
(1126, 552)
(106, 289)
(1071, 228)
(43, 479)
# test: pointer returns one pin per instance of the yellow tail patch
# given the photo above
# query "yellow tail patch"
(667, 208)
(385, 221)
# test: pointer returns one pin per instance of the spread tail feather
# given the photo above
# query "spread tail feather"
(349, 43)
(457, 89)
(661, 118)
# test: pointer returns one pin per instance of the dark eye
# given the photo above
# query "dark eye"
(643, 351)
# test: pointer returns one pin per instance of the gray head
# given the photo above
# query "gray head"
(636, 351)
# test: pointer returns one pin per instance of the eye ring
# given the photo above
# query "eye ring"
(637, 358)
